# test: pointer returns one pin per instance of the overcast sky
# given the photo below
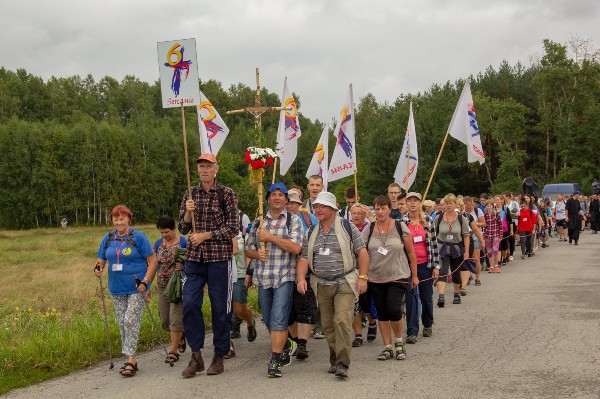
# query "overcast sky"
(385, 47)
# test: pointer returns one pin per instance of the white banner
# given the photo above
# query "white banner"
(406, 170)
(464, 127)
(318, 164)
(178, 71)
(213, 130)
(343, 160)
(288, 131)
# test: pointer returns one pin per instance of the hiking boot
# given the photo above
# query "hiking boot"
(216, 366)
(286, 355)
(332, 369)
(251, 336)
(427, 331)
(358, 341)
(274, 369)
(301, 352)
(456, 300)
(411, 339)
(441, 302)
(341, 371)
(235, 334)
(400, 351)
(195, 365)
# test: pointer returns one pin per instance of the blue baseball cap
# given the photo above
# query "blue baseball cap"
(277, 186)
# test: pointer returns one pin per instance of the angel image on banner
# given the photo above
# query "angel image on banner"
(213, 130)
(318, 164)
(343, 160)
(464, 127)
(406, 170)
(288, 131)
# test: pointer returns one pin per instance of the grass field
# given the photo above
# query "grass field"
(51, 320)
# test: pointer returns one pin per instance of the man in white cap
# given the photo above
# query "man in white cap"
(330, 250)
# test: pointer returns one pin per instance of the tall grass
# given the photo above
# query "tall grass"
(51, 318)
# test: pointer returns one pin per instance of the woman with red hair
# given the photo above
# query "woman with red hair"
(130, 255)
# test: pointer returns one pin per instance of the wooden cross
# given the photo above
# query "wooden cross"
(257, 112)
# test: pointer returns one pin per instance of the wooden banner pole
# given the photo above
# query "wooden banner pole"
(187, 164)
(435, 166)
(355, 186)
(274, 170)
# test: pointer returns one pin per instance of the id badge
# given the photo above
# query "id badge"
(418, 239)
(324, 251)
(382, 251)
(117, 267)
(449, 237)
(524, 219)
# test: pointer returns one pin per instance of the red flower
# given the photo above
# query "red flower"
(269, 161)
(247, 158)
(257, 164)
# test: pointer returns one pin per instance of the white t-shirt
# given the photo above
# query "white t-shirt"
(561, 210)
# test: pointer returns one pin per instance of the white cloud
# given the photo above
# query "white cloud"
(384, 47)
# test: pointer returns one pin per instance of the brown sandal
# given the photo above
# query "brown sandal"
(181, 347)
(172, 357)
(129, 369)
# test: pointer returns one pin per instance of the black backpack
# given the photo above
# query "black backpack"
(130, 241)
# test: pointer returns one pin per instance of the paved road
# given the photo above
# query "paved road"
(530, 332)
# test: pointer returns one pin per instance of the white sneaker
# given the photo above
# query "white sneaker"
(510, 258)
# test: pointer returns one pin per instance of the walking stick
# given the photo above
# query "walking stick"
(138, 282)
(105, 320)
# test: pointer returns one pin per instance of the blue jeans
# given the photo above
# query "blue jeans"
(425, 297)
(216, 275)
(275, 305)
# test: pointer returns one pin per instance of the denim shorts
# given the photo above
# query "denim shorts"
(476, 244)
(275, 305)
(240, 292)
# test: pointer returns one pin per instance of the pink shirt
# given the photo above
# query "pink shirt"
(419, 243)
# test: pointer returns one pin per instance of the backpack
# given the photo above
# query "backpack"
(306, 218)
(398, 229)
(130, 241)
(460, 221)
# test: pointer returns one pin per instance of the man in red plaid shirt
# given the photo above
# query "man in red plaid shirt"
(209, 252)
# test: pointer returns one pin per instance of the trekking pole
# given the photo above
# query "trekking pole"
(138, 282)
(105, 319)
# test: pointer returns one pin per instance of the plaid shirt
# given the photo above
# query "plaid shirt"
(493, 226)
(222, 222)
(280, 266)
(430, 241)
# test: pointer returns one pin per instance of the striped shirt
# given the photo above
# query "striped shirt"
(327, 257)
(280, 267)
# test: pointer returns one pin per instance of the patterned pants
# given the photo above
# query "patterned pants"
(129, 309)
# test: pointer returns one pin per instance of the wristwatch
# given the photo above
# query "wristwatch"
(364, 277)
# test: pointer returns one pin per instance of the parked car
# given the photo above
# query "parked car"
(551, 190)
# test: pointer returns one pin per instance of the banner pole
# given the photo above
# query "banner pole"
(274, 170)
(187, 164)
(435, 166)
(407, 165)
(355, 186)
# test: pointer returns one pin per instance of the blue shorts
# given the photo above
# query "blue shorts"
(275, 305)
(240, 292)
(476, 244)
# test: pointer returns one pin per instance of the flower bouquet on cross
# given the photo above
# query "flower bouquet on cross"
(258, 158)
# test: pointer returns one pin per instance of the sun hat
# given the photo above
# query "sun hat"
(327, 199)
(277, 186)
(294, 197)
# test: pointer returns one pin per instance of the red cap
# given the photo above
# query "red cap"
(207, 157)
